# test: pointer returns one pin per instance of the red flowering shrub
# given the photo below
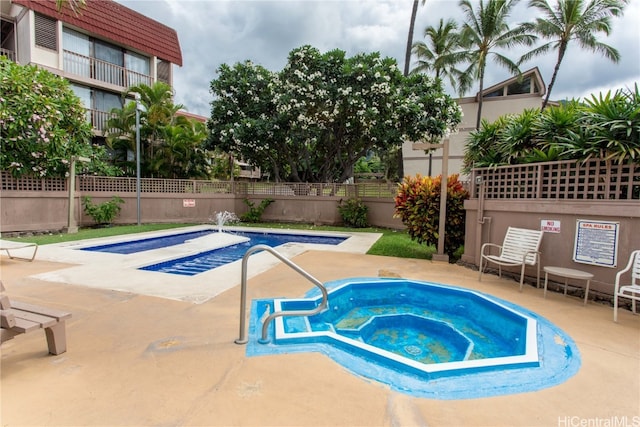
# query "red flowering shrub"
(418, 205)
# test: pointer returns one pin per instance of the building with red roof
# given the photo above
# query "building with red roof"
(102, 49)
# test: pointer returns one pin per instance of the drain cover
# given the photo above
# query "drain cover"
(413, 350)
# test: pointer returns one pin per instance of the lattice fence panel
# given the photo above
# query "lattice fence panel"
(593, 179)
(8, 183)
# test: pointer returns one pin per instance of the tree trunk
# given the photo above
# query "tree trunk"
(480, 98)
(412, 23)
(561, 51)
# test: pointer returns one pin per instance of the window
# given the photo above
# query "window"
(98, 104)
(498, 92)
(108, 55)
(164, 71)
(137, 69)
(78, 47)
(46, 32)
(518, 88)
(84, 93)
(106, 101)
(8, 40)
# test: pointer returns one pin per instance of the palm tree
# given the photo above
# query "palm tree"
(160, 112)
(483, 31)
(444, 41)
(121, 136)
(577, 20)
(412, 24)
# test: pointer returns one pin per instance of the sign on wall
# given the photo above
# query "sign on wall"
(188, 203)
(596, 243)
(550, 226)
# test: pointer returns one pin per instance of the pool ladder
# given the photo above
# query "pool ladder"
(243, 295)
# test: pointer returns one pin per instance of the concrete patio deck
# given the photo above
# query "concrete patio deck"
(145, 360)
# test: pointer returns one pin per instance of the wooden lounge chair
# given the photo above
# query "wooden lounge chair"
(631, 291)
(20, 318)
(519, 248)
(8, 246)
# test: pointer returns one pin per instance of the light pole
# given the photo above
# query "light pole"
(139, 107)
(72, 225)
(440, 256)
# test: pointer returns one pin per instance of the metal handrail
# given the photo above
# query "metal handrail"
(242, 339)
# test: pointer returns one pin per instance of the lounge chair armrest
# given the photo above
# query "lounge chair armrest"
(527, 253)
(489, 245)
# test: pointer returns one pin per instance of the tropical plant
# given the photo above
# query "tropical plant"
(558, 124)
(412, 25)
(604, 126)
(613, 125)
(436, 55)
(516, 137)
(181, 153)
(569, 20)
(42, 124)
(485, 30)
(482, 148)
(254, 214)
(313, 121)
(353, 213)
(417, 204)
(172, 146)
(102, 213)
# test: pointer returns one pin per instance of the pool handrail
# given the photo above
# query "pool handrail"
(242, 339)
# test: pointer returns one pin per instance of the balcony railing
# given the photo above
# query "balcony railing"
(98, 119)
(9, 54)
(103, 71)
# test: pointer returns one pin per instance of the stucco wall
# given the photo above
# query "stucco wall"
(43, 210)
(557, 248)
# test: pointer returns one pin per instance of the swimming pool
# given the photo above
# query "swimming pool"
(423, 338)
(207, 260)
(209, 254)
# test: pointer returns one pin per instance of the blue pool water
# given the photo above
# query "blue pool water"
(140, 245)
(422, 338)
(205, 261)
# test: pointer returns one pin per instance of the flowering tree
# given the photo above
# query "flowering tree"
(312, 121)
(43, 124)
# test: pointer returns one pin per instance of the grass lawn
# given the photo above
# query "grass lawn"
(392, 243)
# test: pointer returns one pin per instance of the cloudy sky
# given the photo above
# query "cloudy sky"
(214, 32)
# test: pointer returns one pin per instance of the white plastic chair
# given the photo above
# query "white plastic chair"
(631, 291)
(519, 248)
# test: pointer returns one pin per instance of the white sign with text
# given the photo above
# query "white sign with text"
(596, 243)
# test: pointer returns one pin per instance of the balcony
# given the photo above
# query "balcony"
(92, 68)
(98, 120)
(11, 55)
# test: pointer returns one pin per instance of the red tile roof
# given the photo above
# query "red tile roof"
(189, 115)
(116, 23)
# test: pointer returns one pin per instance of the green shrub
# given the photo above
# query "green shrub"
(103, 213)
(255, 212)
(353, 212)
(418, 205)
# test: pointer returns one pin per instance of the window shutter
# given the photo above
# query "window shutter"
(46, 32)
(164, 71)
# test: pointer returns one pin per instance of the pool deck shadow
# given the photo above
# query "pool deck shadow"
(144, 360)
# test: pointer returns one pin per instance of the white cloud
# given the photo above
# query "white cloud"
(213, 32)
